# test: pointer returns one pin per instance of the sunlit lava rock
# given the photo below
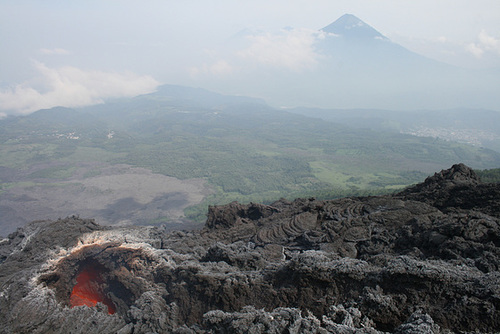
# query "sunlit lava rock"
(90, 289)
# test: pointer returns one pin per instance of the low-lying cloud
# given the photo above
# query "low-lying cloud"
(291, 49)
(69, 86)
(485, 43)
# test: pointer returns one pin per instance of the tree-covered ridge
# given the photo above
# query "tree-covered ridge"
(245, 150)
(489, 175)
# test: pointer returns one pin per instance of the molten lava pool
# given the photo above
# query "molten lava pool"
(89, 289)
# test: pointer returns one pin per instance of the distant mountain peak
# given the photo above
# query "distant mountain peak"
(351, 26)
(349, 21)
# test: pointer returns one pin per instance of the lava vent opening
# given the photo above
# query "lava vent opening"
(90, 288)
(108, 274)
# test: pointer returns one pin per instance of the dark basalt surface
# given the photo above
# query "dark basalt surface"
(425, 260)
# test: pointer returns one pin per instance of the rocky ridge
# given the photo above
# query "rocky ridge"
(425, 260)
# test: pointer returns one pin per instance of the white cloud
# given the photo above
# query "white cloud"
(73, 87)
(472, 54)
(474, 49)
(489, 42)
(442, 39)
(56, 51)
(485, 43)
(218, 68)
(292, 49)
(221, 67)
(289, 49)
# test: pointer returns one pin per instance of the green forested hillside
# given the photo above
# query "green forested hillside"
(244, 149)
(489, 175)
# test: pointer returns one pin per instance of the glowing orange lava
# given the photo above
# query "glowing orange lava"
(88, 290)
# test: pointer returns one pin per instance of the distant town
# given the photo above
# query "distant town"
(467, 136)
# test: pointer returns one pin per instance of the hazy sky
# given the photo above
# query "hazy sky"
(61, 52)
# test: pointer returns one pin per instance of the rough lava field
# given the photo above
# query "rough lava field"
(425, 260)
(116, 195)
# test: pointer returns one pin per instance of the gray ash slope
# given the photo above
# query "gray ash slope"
(425, 260)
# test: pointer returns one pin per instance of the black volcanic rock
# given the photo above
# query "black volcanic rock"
(235, 213)
(425, 260)
(456, 188)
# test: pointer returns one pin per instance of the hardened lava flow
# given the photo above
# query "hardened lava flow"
(425, 260)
